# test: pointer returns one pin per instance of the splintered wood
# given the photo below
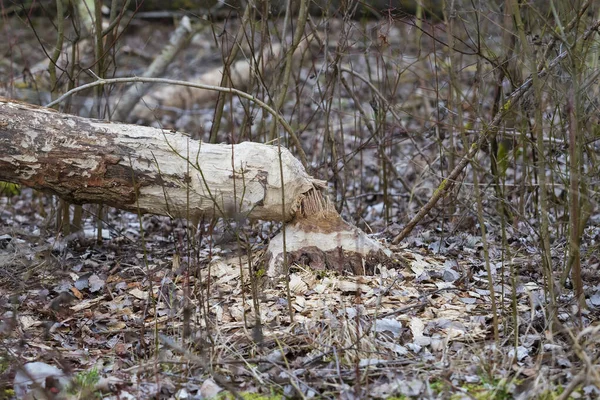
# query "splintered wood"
(150, 170)
(320, 238)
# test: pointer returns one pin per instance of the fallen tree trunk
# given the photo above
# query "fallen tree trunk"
(155, 171)
(148, 169)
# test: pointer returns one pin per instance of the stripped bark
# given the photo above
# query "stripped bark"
(320, 238)
(133, 167)
(155, 171)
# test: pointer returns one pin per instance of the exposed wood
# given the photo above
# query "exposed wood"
(128, 166)
(155, 171)
(179, 38)
(318, 237)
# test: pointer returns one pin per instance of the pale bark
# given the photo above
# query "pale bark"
(241, 72)
(155, 171)
(132, 96)
(147, 169)
(320, 238)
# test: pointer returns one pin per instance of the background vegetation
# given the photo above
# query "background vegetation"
(488, 107)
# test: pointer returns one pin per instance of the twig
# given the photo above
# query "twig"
(220, 380)
(514, 97)
(131, 97)
(577, 380)
(370, 128)
(420, 304)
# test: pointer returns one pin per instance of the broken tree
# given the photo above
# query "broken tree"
(155, 171)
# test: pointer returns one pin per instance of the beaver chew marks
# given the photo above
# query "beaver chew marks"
(318, 237)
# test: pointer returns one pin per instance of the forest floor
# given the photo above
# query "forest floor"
(159, 308)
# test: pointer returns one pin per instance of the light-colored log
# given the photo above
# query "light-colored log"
(175, 97)
(156, 171)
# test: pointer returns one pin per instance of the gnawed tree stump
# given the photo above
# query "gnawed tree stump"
(320, 238)
(154, 171)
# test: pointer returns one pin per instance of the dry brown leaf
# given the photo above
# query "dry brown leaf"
(76, 293)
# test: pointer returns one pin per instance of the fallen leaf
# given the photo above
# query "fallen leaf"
(76, 293)
(417, 327)
(87, 303)
(96, 284)
(139, 294)
(347, 286)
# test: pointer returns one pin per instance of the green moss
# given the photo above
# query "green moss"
(502, 156)
(256, 396)
(9, 189)
(4, 365)
(441, 187)
(260, 272)
(555, 394)
(22, 84)
(494, 389)
(437, 386)
(84, 382)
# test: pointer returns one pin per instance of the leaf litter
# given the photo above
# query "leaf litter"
(167, 322)
(111, 314)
